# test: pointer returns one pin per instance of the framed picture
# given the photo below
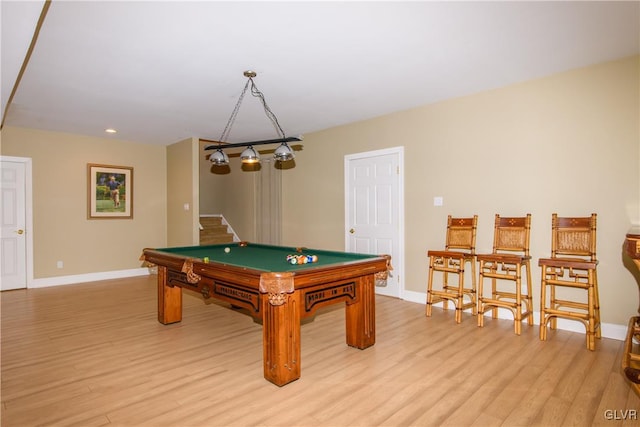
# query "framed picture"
(110, 191)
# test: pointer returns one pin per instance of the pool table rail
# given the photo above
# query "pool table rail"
(237, 285)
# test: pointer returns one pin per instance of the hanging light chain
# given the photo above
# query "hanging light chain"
(234, 113)
(270, 114)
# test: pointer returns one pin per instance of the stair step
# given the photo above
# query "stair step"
(210, 220)
(215, 229)
(219, 238)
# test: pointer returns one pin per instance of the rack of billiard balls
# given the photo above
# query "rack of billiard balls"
(301, 259)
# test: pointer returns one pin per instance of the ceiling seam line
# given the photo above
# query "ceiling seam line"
(32, 45)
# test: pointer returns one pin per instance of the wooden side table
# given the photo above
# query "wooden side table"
(631, 358)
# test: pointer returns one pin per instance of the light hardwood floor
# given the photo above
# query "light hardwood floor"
(94, 355)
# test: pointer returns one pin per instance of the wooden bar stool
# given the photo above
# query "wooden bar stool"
(459, 250)
(572, 266)
(510, 255)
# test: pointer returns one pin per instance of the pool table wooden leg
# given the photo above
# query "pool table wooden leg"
(169, 299)
(361, 314)
(281, 338)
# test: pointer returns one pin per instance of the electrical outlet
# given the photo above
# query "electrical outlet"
(437, 201)
(60, 264)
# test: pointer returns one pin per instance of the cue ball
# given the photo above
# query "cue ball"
(227, 250)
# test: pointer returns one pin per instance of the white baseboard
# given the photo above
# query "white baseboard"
(89, 277)
(609, 330)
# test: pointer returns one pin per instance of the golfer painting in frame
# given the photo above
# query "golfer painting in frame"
(110, 191)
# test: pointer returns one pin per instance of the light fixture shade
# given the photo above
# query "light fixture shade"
(249, 156)
(283, 153)
(219, 158)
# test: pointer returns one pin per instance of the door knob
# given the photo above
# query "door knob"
(20, 231)
(352, 231)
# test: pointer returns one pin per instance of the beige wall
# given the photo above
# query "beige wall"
(61, 230)
(568, 143)
(213, 191)
(182, 193)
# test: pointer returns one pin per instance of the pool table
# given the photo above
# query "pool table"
(259, 278)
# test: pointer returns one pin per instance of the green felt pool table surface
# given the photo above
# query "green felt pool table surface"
(264, 257)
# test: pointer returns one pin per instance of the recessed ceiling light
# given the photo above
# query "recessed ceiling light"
(110, 130)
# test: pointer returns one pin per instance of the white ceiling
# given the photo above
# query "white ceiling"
(160, 72)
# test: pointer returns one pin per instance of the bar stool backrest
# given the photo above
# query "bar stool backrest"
(511, 234)
(573, 236)
(461, 234)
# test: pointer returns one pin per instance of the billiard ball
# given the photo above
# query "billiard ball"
(227, 250)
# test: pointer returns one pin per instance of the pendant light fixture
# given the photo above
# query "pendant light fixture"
(249, 156)
(283, 153)
(219, 158)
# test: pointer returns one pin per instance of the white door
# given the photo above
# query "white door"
(13, 246)
(375, 210)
